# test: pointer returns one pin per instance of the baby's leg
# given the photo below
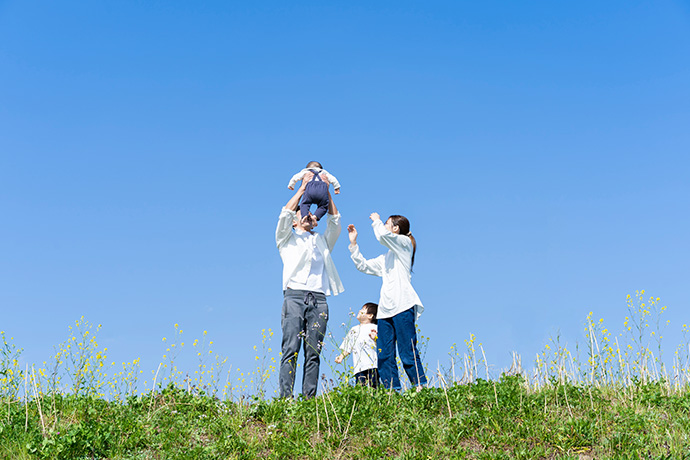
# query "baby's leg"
(319, 197)
(304, 208)
(321, 210)
(311, 196)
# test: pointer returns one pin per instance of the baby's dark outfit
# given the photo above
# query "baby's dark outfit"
(315, 192)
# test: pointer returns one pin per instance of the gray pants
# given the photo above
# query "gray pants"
(303, 320)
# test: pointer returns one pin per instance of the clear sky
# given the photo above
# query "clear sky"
(539, 149)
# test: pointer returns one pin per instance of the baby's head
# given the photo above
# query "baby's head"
(368, 313)
(314, 164)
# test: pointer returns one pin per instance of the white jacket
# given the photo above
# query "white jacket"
(296, 251)
(394, 267)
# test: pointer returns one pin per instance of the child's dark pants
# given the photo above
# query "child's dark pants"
(369, 377)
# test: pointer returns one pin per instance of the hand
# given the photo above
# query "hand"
(307, 177)
(337, 191)
(339, 359)
(374, 216)
(352, 233)
(373, 334)
(291, 187)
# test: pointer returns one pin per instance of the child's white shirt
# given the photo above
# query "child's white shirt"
(359, 343)
(297, 177)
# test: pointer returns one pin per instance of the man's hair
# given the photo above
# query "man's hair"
(314, 164)
(372, 309)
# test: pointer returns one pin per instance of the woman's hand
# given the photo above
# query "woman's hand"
(352, 233)
(373, 334)
(339, 359)
(374, 216)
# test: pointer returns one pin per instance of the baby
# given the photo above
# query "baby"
(361, 342)
(316, 190)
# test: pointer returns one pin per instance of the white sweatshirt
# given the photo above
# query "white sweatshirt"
(362, 346)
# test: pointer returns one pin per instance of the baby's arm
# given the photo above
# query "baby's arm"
(340, 357)
(295, 178)
(332, 179)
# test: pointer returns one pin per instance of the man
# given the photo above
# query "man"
(309, 275)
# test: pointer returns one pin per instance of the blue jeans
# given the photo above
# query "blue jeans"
(399, 330)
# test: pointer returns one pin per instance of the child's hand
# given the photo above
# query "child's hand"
(374, 216)
(339, 359)
(352, 233)
(291, 187)
(374, 334)
(337, 191)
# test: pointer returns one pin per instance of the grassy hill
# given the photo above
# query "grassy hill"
(481, 420)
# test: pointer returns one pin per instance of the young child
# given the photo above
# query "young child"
(316, 191)
(361, 342)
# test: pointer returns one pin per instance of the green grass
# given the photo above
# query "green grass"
(612, 396)
(482, 420)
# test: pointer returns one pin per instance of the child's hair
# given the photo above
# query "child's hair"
(372, 309)
(314, 164)
(404, 229)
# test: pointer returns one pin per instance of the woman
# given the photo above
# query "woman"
(399, 304)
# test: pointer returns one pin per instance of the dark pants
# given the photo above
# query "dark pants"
(368, 378)
(399, 330)
(303, 321)
(316, 192)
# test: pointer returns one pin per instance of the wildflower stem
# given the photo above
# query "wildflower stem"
(26, 399)
(38, 401)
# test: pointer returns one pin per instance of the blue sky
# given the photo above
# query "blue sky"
(540, 151)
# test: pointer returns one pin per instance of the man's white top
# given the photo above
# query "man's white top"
(297, 177)
(395, 268)
(362, 346)
(307, 262)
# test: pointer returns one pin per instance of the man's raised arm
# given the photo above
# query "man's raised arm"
(293, 202)
(287, 216)
(332, 209)
(333, 227)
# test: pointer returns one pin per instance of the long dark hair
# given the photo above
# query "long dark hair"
(404, 229)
